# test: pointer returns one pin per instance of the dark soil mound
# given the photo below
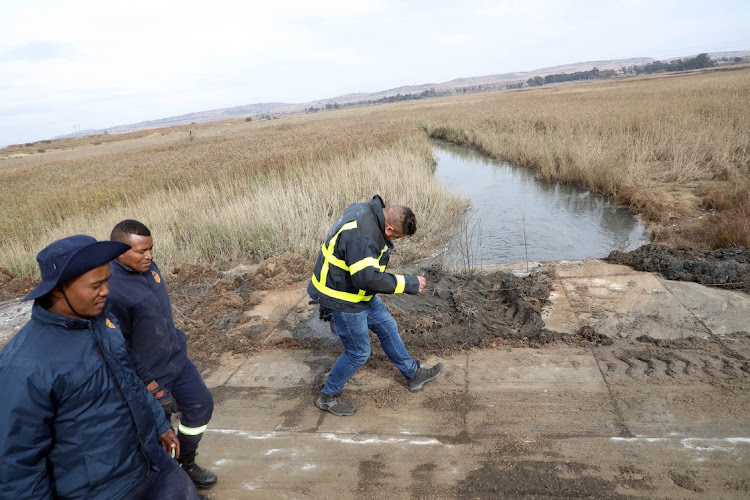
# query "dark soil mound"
(459, 311)
(455, 311)
(728, 267)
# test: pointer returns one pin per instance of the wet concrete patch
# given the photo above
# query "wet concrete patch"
(617, 302)
(286, 368)
(592, 412)
(534, 370)
(532, 479)
(721, 311)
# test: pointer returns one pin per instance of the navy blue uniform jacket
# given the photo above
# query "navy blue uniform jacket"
(75, 420)
(141, 303)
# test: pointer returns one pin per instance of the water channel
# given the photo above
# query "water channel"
(515, 217)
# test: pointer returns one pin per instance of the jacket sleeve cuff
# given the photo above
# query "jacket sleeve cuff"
(164, 427)
(412, 285)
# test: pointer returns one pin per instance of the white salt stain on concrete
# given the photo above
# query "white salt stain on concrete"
(244, 434)
(418, 442)
(713, 444)
(694, 444)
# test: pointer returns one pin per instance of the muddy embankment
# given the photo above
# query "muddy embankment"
(457, 311)
(727, 267)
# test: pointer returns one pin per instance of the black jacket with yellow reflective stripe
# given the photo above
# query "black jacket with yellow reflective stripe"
(351, 265)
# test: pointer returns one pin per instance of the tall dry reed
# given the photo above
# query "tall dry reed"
(671, 148)
(251, 217)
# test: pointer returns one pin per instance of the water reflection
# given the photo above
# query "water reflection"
(560, 221)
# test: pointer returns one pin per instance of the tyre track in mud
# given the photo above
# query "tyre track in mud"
(683, 362)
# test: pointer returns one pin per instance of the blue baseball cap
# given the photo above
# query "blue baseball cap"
(70, 257)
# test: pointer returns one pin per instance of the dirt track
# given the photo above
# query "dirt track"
(578, 380)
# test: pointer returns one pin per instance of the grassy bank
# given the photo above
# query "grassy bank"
(674, 149)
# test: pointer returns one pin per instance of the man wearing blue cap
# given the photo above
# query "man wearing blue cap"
(75, 420)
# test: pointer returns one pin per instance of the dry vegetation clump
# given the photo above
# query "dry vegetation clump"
(728, 223)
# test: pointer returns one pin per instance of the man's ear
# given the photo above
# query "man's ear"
(56, 292)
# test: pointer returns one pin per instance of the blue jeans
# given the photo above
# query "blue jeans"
(169, 483)
(353, 330)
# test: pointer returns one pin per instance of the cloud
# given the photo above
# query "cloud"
(39, 51)
(454, 39)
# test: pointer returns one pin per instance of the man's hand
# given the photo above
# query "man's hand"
(170, 442)
(422, 283)
(165, 399)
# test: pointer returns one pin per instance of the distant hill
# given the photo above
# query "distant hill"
(487, 82)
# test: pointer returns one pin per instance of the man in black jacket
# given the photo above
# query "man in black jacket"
(349, 272)
(158, 349)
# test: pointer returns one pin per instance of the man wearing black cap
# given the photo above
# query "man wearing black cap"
(75, 420)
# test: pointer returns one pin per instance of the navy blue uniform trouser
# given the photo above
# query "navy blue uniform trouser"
(196, 404)
(170, 482)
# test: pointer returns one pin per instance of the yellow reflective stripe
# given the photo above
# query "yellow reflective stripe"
(348, 225)
(332, 259)
(366, 262)
(385, 249)
(192, 431)
(346, 296)
(400, 283)
(328, 250)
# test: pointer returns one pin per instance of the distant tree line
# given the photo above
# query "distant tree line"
(700, 61)
(393, 98)
(566, 77)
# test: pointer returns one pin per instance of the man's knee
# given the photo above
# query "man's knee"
(196, 407)
(359, 358)
(203, 409)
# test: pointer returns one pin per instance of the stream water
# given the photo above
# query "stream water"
(515, 217)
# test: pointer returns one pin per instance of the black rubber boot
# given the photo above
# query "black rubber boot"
(202, 478)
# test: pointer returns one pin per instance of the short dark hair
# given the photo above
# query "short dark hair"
(124, 229)
(406, 219)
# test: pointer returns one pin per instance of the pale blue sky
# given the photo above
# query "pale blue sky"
(93, 64)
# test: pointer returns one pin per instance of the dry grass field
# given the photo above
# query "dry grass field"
(673, 148)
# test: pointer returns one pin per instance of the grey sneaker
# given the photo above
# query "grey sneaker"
(423, 376)
(335, 405)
